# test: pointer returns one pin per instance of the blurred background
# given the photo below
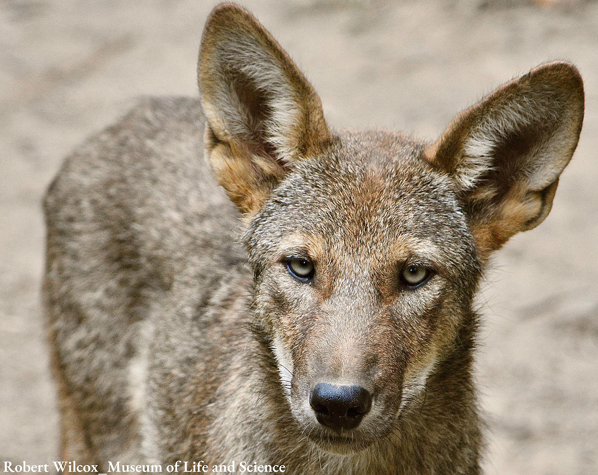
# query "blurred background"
(68, 68)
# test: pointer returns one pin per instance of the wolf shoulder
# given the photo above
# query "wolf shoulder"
(145, 180)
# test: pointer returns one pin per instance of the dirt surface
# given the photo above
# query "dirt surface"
(68, 68)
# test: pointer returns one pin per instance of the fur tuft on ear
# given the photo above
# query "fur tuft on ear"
(507, 152)
(262, 114)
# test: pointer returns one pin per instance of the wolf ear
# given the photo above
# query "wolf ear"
(506, 153)
(262, 114)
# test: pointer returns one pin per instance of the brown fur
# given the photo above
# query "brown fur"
(177, 329)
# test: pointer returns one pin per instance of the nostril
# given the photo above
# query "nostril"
(354, 412)
(320, 408)
(340, 407)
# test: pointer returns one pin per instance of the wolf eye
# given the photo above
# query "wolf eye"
(300, 268)
(414, 276)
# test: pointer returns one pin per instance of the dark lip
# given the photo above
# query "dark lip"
(339, 444)
(332, 439)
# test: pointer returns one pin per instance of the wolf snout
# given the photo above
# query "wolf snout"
(340, 407)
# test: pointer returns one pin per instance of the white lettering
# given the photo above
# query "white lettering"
(245, 467)
(25, 467)
(60, 466)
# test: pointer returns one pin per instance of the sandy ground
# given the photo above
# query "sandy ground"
(68, 67)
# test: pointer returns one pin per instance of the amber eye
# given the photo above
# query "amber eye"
(300, 268)
(414, 276)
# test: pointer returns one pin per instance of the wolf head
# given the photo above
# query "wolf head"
(367, 247)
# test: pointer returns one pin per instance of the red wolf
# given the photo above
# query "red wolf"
(311, 306)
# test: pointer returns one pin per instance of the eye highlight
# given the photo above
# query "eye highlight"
(414, 276)
(301, 268)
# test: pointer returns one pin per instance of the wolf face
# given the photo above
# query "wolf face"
(389, 271)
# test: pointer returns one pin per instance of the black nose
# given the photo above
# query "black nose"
(340, 407)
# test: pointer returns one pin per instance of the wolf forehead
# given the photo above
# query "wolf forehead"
(369, 193)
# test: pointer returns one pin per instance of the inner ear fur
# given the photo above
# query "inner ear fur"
(262, 114)
(506, 153)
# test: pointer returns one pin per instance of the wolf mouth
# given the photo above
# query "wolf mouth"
(338, 444)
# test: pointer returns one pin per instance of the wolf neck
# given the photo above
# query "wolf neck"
(435, 433)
